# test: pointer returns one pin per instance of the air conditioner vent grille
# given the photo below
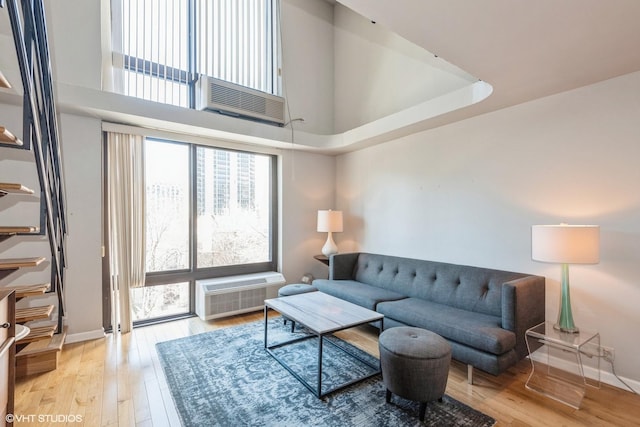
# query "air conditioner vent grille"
(225, 296)
(234, 98)
(222, 96)
(234, 301)
(217, 286)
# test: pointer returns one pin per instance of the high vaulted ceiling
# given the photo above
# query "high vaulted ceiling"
(524, 49)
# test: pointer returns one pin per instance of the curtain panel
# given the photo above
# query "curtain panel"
(126, 221)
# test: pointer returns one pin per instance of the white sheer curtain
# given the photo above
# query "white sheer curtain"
(126, 222)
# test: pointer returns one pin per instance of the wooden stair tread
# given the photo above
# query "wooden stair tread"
(13, 263)
(23, 291)
(9, 187)
(40, 334)
(19, 229)
(43, 345)
(4, 82)
(28, 314)
(7, 137)
(40, 356)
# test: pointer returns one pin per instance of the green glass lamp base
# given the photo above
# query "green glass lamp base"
(565, 318)
(560, 328)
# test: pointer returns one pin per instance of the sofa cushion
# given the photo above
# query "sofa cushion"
(358, 293)
(464, 287)
(477, 330)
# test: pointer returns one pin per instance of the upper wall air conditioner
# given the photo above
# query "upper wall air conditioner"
(231, 99)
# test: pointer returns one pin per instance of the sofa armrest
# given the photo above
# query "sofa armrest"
(342, 266)
(523, 306)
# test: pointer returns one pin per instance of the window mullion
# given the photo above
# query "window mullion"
(193, 208)
(167, 45)
(192, 48)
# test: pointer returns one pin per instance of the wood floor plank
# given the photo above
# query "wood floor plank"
(118, 381)
(65, 380)
(136, 382)
(83, 399)
(159, 416)
(109, 411)
(93, 412)
(126, 414)
(172, 413)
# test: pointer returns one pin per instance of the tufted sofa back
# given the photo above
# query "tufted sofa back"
(465, 287)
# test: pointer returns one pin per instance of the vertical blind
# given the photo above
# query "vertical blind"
(161, 47)
(236, 38)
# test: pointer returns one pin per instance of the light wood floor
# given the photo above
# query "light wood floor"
(118, 381)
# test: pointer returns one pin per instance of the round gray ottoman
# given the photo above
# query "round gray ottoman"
(295, 289)
(415, 364)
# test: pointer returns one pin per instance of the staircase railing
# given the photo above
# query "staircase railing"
(40, 129)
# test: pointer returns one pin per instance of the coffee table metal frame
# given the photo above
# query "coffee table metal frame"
(323, 320)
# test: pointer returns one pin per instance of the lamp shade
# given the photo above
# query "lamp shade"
(329, 220)
(566, 244)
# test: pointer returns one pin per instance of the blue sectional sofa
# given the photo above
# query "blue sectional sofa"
(483, 313)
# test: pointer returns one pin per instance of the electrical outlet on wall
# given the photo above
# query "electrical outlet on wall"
(607, 353)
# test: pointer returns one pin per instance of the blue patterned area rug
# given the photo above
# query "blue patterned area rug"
(226, 378)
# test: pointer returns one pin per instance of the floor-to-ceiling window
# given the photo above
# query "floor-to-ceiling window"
(167, 230)
(209, 212)
(234, 208)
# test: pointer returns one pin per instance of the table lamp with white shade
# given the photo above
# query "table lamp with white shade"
(565, 244)
(329, 222)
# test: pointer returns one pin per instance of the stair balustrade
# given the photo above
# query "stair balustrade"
(40, 131)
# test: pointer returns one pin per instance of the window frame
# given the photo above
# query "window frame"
(190, 76)
(194, 273)
(191, 274)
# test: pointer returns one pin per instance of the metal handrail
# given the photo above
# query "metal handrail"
(40, 130)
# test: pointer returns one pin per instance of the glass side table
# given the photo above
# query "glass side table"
(558, 361)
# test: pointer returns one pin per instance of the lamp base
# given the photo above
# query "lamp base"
(570, 330)
(565, 317)
(330, 246)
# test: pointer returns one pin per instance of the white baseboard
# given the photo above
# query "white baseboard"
(84, 336)
(609, 378)
(606, 375)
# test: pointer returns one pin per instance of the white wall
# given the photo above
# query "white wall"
(82, 158)
(308, 184)
(74, 39)
(307, 62)
(469, 192)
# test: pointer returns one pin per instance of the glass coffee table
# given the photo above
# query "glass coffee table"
(322, 315)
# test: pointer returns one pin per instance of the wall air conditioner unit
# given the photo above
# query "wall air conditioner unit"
(234, 100)
(226, 296)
